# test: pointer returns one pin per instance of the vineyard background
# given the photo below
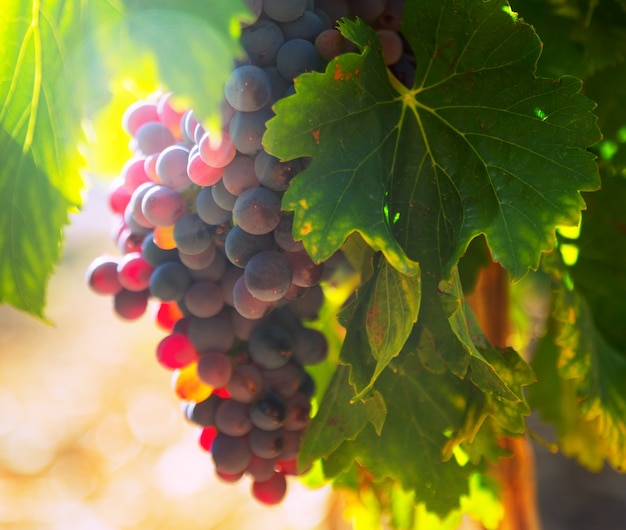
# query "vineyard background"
(91, 435)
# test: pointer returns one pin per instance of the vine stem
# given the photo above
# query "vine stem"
(490, 303)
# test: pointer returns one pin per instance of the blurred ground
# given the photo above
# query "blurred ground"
(92, 438)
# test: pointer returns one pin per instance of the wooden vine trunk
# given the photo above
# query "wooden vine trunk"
(490, 302)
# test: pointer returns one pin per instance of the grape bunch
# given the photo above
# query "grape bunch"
(201, 233)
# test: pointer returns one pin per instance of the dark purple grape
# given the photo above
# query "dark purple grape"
(247, 305)
(309, 346)
(203, 412)
(268, 276)
(283, 11)
(298, 412)
(257, 210)
(246, 383)
(231, 454)
(269, 413)
(215, 368)
(297, 56)
(170, 281)
(248, 88)
(204, 299)
(240, 245)
(231, 417)
(270, 346)
(271, 491)
(266, 444)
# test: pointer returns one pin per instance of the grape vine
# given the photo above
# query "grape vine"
(308, 216)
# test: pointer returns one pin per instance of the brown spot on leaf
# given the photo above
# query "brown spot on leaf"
(316, 135)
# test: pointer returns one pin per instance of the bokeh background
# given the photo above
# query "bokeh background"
(92, 436)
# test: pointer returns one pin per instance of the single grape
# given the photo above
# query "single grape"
(297, 56)
(268, 276)
(246, 383)
(162, 205)
(246, 129)
(283, 11)
(176, 351)
(248, 88)
(262, 42)
(291, 444)
(257, 210)
(266, 444)
(391, 44)
(192, 235)
(216, 150)
(153, 137)
(330, 43)
(204, 299)
(231, 454)
(101, 276)
(169, 281)
(130, 305)
(247, 305)
(271, 491)
(269, 413)
(240, 245)
(231, 417)
(240, 175)
(215, 368)
(171, 167)
(270, 346)
(134, 272)
(309, 346)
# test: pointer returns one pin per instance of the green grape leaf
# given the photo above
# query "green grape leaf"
(421, 408)
(587, 410)
(39, 174)
(339, 418)
(193, 44)
(477, 122)
(386, 307)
